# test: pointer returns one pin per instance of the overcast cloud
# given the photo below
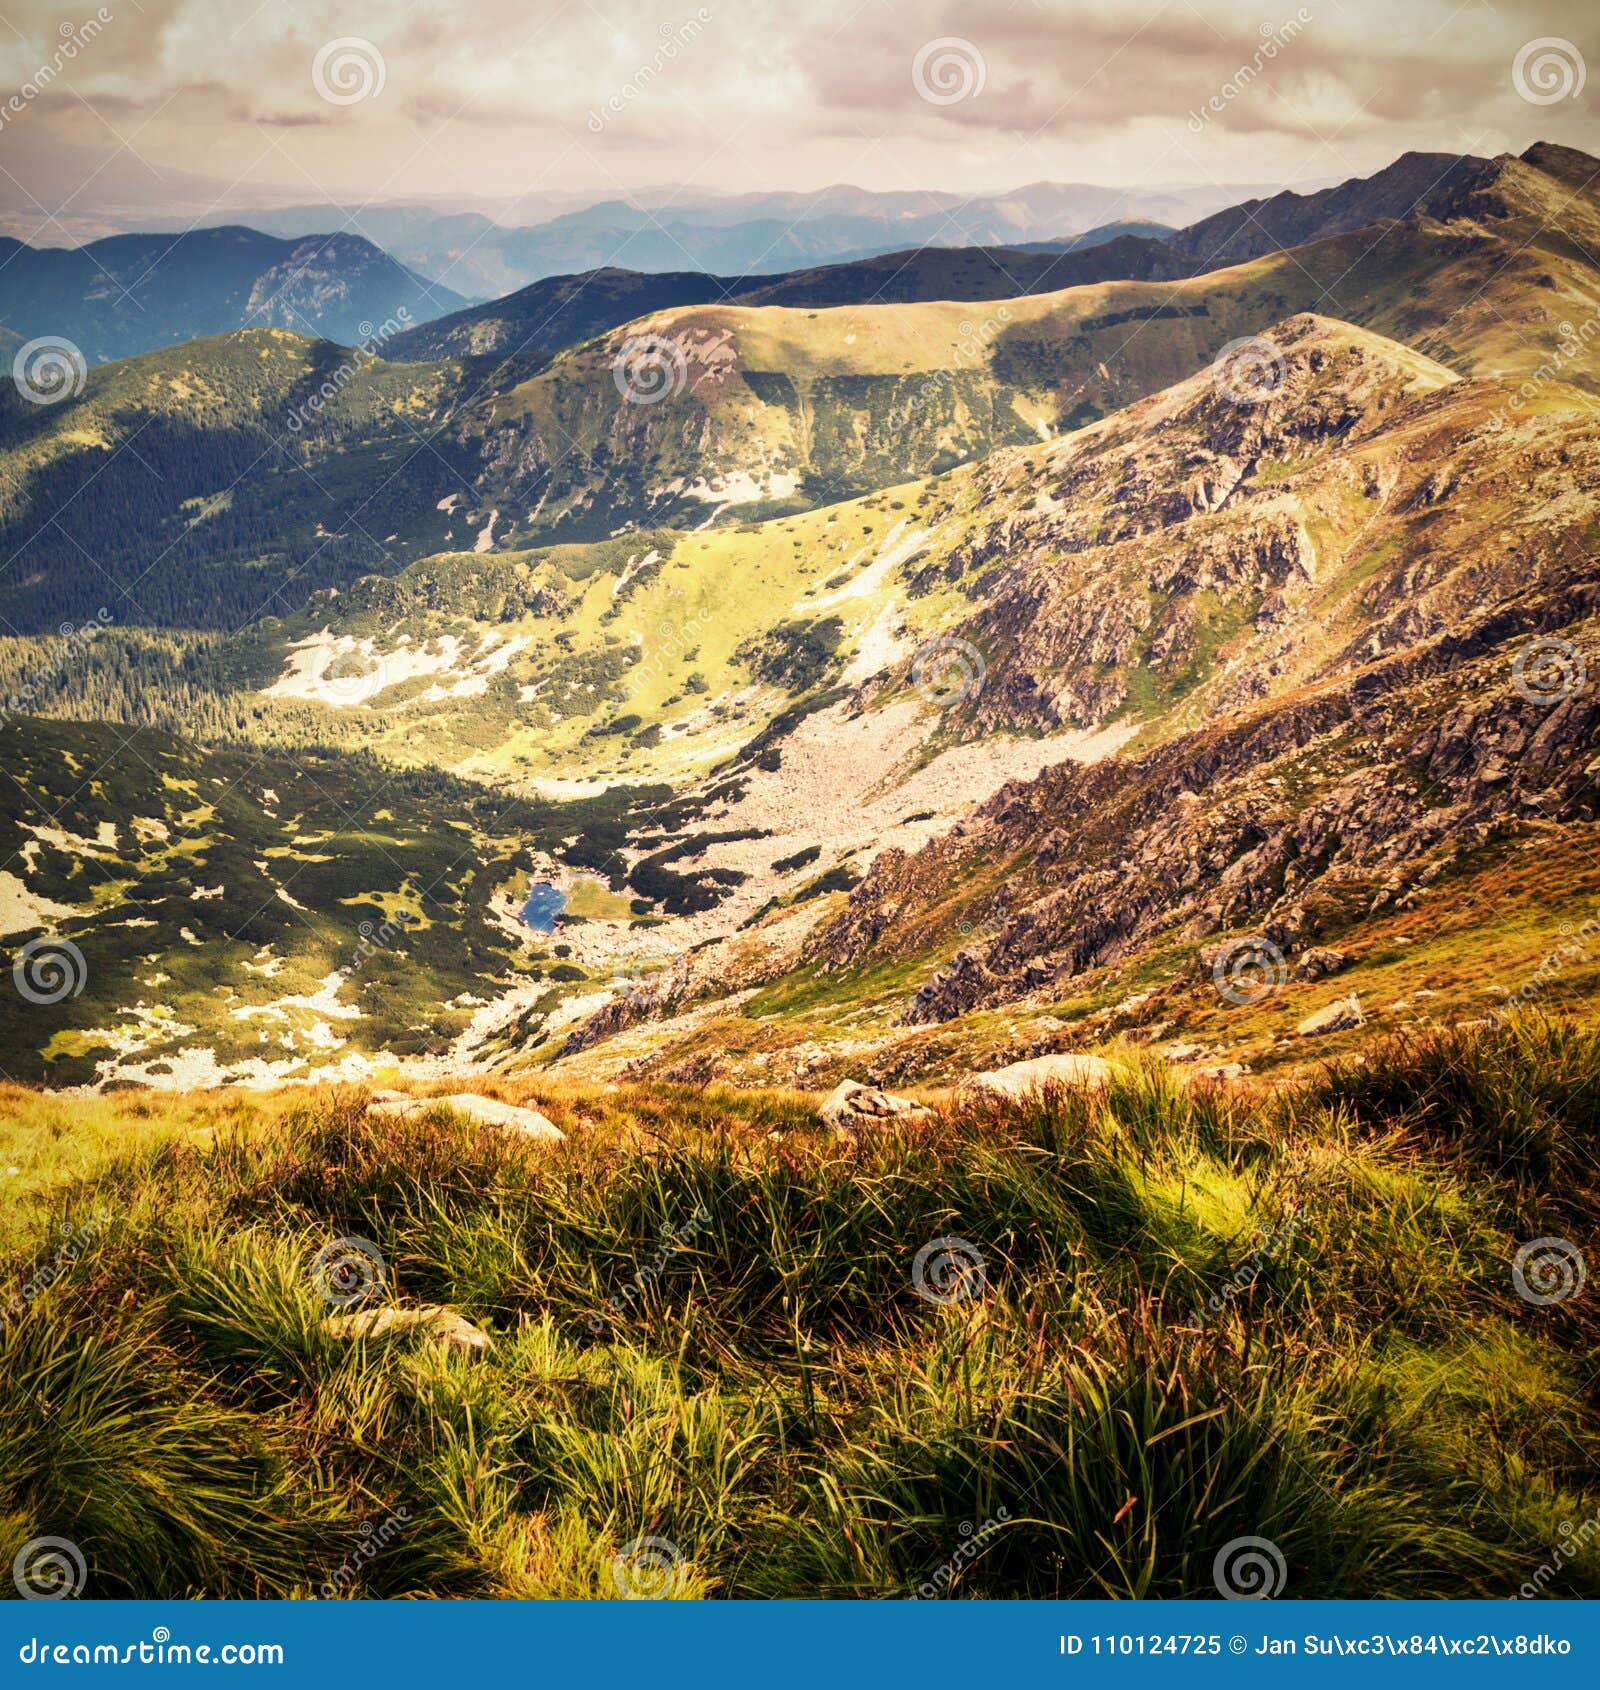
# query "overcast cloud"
(503, 98)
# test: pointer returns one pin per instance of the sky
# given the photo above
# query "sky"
(368, 100)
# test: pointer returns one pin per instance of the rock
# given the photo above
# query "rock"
(851, 1106)
(1313, 964)
(1332, 1018)
(435, 1322)
(1223, 1071)
(1021, 1079)
(1181, 1052)
(527, 1123)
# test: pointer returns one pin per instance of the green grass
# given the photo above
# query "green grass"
(1203, 1315)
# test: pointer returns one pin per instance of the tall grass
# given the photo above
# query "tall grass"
(1201, 1315)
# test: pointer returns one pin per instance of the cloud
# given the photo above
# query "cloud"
(498, 97)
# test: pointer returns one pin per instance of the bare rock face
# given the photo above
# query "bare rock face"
(851, 1108)
(1332, 1018)
(1018, 1080)
(433, 1321)
(525, 1123)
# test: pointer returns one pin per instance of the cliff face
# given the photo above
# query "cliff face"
(1354, 623)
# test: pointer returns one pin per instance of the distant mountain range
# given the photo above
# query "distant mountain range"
(132, 293)
(746, 234)
(562, 310)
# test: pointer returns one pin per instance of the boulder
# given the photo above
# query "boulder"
(1021, 1079)
(433, 1321)
(1332, 1018)
(1313, 964)
(526, 1123)
(850, 1107)
(1221, 1071)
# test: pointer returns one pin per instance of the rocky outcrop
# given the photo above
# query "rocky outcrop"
(852, 1108)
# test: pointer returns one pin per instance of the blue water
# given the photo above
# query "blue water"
(545, 903)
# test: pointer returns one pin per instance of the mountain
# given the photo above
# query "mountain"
(742, 234)
(564, 310)
(700, 414)
(128, 294)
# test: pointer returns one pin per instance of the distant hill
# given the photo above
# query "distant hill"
(133, 293)
(746, 234)
(547, 316)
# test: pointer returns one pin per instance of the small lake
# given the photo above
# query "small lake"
(545, 903)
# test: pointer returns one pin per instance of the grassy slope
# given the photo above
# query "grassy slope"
(1201, 1317)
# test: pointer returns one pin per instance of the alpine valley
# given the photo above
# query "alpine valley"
(1081, 751)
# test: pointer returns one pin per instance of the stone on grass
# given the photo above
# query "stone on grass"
(527, 1123)
(852, 1107)
(1332, 1018)
(1018, 1080)
(433, 1321)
